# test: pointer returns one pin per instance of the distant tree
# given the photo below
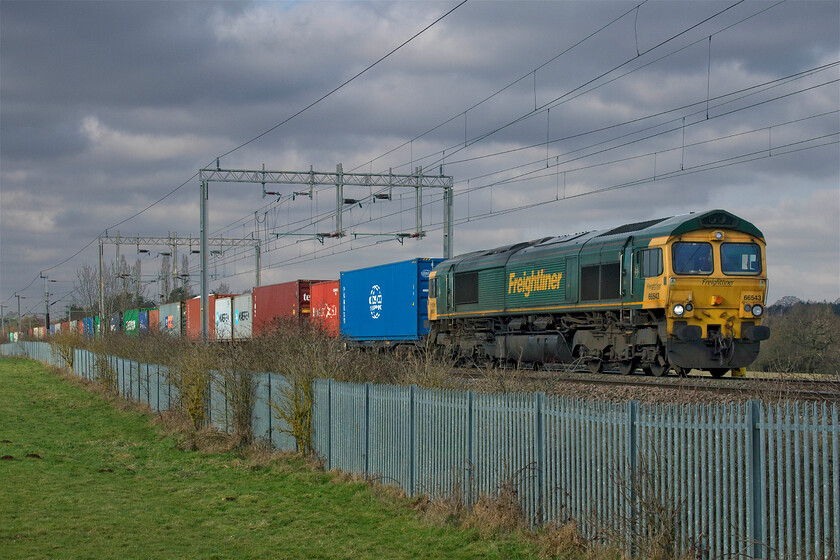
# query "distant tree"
(185, 274)
(123, 289)
(222, 289)
(165, 279)
(805, 339)
(179, 294)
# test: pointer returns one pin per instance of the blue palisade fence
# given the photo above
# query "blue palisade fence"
(748, 479)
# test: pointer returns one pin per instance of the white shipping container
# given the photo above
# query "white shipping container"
(223, 318)
(243, 316)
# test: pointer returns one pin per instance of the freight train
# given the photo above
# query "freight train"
(679, 293)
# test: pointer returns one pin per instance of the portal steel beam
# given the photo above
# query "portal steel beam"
(324, 178)
(338, 179)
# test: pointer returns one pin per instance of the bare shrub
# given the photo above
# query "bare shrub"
(105, 374)
(65, 344)
(239, 387)
(422, 366)
(652, 529)
(190, 374)
(300, 353)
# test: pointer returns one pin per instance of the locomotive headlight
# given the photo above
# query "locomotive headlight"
(757, 310)
(679, 309)
(689, 307)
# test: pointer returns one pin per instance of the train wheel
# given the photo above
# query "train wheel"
(626, 367)
(595, 365)
(718, 372)
(659, 371)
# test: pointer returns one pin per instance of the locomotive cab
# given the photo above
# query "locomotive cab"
(714, 298)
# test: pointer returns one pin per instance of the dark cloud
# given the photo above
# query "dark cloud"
(105, 107)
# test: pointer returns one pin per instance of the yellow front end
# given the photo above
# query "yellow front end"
(715, 291)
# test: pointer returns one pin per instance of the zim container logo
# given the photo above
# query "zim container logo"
(375, 301)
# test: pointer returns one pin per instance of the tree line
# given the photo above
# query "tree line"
(804, 338)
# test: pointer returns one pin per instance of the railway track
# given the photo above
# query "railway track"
(697, 384)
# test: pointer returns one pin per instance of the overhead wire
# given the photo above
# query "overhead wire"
(720, 115)
(456, 148)
(273, 128)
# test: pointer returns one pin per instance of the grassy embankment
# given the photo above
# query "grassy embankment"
(88, 480)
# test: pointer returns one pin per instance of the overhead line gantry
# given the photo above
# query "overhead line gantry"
(339, 179)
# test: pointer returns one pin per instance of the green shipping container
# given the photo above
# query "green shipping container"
(131, 322)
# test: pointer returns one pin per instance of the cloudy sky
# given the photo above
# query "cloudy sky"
(551, 117)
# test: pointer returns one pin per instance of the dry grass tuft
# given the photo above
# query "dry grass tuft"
(341, 477)
(173, 422)
(495, 515)
(448, 510)
(561, 541)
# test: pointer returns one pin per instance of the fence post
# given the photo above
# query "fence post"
(412, 393)
(539, 402)
(632, 451)
(268, 408)
(367, 427)
(755, 502)
(329, 423)
(469, 470)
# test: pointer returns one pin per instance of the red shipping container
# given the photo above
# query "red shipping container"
(276, 301)
(324, 302)
(65, 326)
(154, 318)
(194, 317)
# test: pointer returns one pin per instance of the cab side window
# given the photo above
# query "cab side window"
(650, 262)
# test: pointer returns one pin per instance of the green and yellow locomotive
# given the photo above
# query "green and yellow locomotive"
(681, 293)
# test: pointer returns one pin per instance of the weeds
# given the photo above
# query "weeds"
(105, 374)
(239, 390)
(65, 344)
(190, 375)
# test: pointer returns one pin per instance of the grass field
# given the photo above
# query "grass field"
(81, 479)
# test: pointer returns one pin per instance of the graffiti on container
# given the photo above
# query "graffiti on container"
(326, 311)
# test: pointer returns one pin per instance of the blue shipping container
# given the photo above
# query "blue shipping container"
(143, 319)
(116, 322)
(89, 328)
(386, 302)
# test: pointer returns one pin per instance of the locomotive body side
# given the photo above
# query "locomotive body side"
(627, 297)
